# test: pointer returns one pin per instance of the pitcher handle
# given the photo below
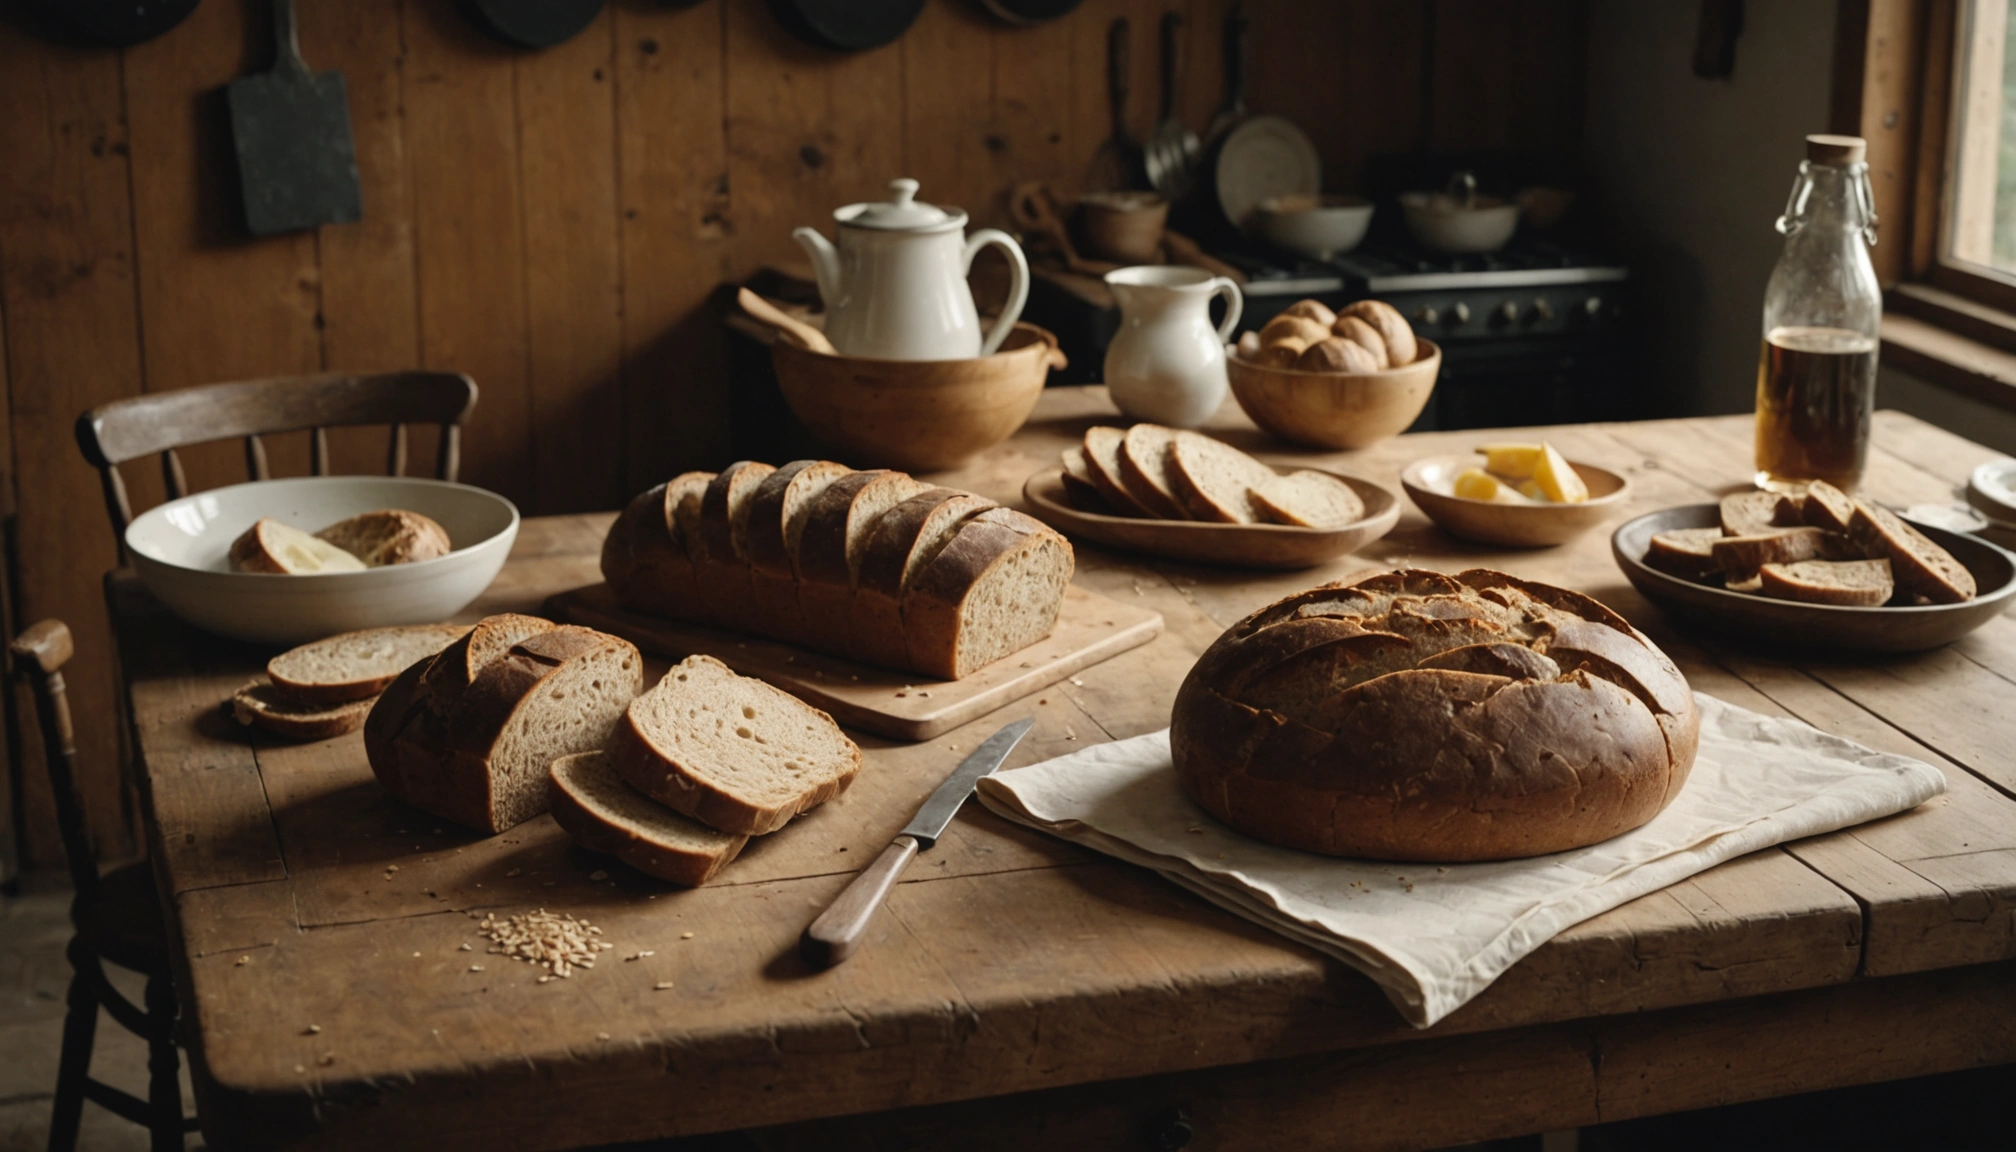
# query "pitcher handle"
(1018, 282)
(1235, 303)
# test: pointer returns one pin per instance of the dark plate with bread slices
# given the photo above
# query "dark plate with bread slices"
(1794, 624)
(1207, 542)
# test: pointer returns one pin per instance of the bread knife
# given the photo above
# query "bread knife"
(838, 930)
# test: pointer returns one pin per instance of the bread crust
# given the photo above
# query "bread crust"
(785, 495)
(261, 705)
(1566, 728)
(933, 604)
(578, 817)
(1102, 463)
(360, 686)
(1401, 346)
(645, 561)
(1144, 470)
(388, 536)
(1918, 565)
(719, 563)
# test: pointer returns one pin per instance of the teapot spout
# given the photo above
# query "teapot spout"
(825, 263)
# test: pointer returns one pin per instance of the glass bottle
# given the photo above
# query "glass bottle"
(1816, 377)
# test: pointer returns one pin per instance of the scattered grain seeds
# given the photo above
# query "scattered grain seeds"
(1078, 682)
(685, 935)
(475, 967)
(416, 955)
(328, 1058)
(598, 874)
(463, 948)
(601, 1035)
(312, 1030)
(661, 986)
(299, 1069)
(244, 960)
(556, 942)
(512, 872)
(391, 867)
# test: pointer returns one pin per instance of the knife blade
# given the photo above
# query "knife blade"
(838, 931)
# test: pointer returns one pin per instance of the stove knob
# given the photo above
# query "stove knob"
(1592, 305)
(1543, 308)
(1508, 312)
(1459, 313)
(1427, 314)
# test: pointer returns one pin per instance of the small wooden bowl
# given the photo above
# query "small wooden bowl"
(1234, 545)
(1782, 624)
(1335, 409)
(1517, 525)
(916, 415)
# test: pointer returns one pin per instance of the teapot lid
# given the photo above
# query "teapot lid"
(902, 212)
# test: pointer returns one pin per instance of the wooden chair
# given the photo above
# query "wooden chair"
(161, 422)
(118, 921)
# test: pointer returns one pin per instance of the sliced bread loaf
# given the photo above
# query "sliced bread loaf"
(645, 557)
(1860, 583)
(388, 536)
(719, 549)
(1826, 506)
(1078, 486)
(593, 805)
(776, 523)
(1102, 464)
(356, 665)
(1308, 499)
(1146, 472)
(831, 549)
(731, 751)
(261, 705)
(1215, 481)
(996, 588)
(449, 675)
(1688, 553)
(277, 549)
(1919, 566)
(906, 538)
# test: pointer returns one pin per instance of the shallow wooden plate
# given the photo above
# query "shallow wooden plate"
(1832, 627)
(1236, 545)
(1533, 525)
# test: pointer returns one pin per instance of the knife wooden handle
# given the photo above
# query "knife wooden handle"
(838, 930)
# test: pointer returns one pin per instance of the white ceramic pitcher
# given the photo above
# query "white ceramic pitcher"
(895, 285)
(1167, 364)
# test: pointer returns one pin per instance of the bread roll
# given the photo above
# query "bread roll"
(1365, 336)
(1417, 716)
(1293, 328)
(1248, 347)
(1336, 354)
(1282, 354)
(1401, 347)
(1312, 309)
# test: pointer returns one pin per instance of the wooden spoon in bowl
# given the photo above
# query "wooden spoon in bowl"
(797, 331)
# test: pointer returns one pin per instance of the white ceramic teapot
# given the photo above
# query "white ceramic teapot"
(895, 287)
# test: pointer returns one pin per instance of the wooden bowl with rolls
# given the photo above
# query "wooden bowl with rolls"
(1334, 379)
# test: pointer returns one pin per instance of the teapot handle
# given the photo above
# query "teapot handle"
(1235, 303)
(1018, 282)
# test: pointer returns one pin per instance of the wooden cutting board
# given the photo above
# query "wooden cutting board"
(1090, 628)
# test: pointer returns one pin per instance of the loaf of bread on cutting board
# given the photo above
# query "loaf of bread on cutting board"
(1417, 716)
(872, 565)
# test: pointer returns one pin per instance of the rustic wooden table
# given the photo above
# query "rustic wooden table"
(1023, 992)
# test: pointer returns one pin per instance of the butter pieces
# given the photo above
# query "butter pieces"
(1516, 472)
(1478, 484)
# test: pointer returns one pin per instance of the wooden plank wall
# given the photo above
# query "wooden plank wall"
(552, 223)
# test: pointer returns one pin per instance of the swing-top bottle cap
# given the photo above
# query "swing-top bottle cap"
(1838, 151)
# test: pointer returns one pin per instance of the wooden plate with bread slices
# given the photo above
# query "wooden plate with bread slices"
(1888, 627)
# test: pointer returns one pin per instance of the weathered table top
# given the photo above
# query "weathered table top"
(321, 922)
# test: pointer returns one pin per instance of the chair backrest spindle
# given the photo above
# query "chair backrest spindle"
(395, 453)
(40, 652)
(172, 476)
(255, 459)
(318, 451)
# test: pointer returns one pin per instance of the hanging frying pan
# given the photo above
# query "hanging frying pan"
(847, 25)
(119, 23)
(1030, 11)
(531, 24)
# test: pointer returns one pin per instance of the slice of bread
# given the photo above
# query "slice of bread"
(1919, 566)
(1860, 583)
(1826, 506)
(1215, 481)
(830, 552)
(777, 515)
(720, 559)
(1688, 553)
(1145, 470)
(449, 674)
(1079, 490)
(1750, 514)
(356, 665)
(1308, 499)
(908, 537)
(592, 804)
(388, 536)
(645, 558)
(271, 547)
(1777, 546)
(1102, 464)
(995, 589)
(731, 751)
(262, 705)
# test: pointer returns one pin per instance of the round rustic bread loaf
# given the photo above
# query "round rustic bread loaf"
(1417, 716)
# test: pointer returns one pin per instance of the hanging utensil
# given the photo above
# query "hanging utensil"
(1117, 164)
(1034, 210)
(297, 165)
(837, 932)
(1232, 109)
(847, 25)
(531, 24)
(1171, 152)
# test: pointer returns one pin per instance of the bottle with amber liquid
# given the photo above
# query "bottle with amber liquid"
(1816, 377)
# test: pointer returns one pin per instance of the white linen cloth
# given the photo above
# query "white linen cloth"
(1434, 936)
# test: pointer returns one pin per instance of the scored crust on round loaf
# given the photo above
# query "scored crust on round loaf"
(1214, 480)
(1145, 470)
(1308, 499)
(262, 705)
(731, 751)
(356, 665)
(1917, 564)
(592, 804)
(388, 536)
(1417, 716)
(1102, 464)
(1401, 347)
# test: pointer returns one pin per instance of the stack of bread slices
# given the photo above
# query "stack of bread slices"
(324, 689)
(1149, 471)
(874, 566)
(1820, 547)
(521, 716)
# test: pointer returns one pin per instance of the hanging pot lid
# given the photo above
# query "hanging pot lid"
(902, 212)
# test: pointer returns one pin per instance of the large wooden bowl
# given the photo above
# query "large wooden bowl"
(1336, 409)
(916, 415)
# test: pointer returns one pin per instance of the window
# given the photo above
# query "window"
(1980, 216)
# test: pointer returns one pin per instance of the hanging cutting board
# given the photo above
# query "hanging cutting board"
(531, 24)
(847, 25)
(297, 166)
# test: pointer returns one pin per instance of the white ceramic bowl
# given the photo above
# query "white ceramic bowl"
(1442, 222)
(1318, 226)
(181, 551)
